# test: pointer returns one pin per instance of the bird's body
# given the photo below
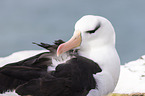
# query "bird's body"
(37, 76)
(101, 49)
(93, 44)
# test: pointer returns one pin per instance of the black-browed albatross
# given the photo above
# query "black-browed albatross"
(86, 65)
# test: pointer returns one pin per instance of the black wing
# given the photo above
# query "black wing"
(15, 74)
(74, 78)
(30, 76)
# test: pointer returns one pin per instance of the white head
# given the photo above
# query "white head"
(95, 30)
(94, 36)
(90, 32)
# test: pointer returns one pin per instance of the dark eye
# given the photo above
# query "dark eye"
(93, 31)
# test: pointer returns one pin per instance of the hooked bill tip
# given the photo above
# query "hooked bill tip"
(59, 49)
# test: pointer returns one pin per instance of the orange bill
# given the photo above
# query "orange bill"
(74, 42)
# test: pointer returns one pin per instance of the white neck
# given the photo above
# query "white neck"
(110, 66)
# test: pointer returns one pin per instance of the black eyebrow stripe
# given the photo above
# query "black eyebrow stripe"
(96, 28)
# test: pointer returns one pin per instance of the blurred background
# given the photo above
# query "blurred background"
(25, 21)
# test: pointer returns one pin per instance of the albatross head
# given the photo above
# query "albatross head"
(90, 32)
(94, 36)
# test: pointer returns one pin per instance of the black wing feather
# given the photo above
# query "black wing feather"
(14, 74)
(8, 83)
(30, 76)
(74, 78)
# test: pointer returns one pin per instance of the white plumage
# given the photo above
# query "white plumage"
(98, 44)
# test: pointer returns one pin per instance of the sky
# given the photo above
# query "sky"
(25, 21)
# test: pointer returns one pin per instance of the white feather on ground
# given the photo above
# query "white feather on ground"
(132, 76)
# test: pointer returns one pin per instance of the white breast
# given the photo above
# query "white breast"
(58, 60)
(109, 61)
